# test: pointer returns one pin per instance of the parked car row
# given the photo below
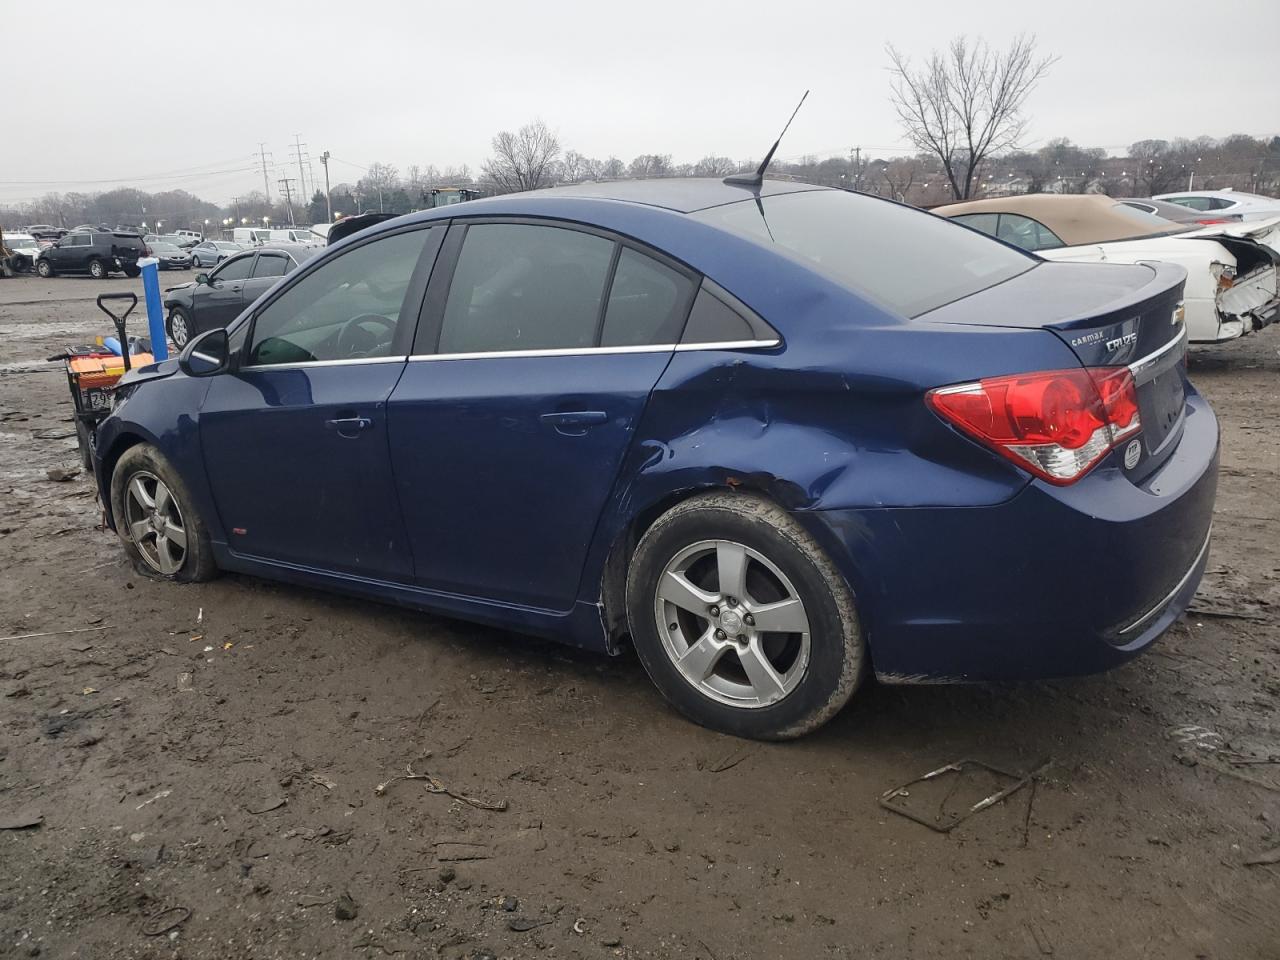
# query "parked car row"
(1233, 278)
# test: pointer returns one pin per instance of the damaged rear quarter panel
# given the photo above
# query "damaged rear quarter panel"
(834, 418)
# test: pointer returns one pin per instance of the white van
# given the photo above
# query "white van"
(251, 236)
(294, 235)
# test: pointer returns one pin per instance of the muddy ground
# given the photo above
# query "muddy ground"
(218, 749)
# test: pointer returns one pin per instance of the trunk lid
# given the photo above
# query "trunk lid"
(1110, 315)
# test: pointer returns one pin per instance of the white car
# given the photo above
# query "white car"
(24, 247)
(1247, 206)
(1233, 284)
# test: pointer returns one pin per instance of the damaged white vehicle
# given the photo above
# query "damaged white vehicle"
(1233, 284)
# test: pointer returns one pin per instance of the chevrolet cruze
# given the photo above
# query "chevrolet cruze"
(777, 436)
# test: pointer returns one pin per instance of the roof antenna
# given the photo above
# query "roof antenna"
(757, 179)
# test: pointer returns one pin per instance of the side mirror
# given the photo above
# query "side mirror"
(202, 278)
(207, 355)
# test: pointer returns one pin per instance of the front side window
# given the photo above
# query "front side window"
(271, 265)
(237, 269)
(1195, 203)
(525, 287)
(906, 259)
(348, 309)
(648, 302)
(1026, 233)
(986, 222)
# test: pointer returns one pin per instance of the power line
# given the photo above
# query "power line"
(176, 176)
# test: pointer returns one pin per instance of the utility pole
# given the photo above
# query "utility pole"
(288, 197)
(328, 201)
(857, 168)
(236, 202)
(266, 183)
(302, 176)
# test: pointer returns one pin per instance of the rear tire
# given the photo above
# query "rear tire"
(44, 268)
(97, 269)
(156, 518)
(710, 651)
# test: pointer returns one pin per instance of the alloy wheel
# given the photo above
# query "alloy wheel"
(178, 331)
(732, 623)
(155, 523)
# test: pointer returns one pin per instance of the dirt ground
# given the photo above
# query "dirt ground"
(213, 754)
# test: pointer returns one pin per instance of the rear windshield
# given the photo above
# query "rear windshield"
(909, 260)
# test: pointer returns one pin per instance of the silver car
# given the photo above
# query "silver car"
(210, 253)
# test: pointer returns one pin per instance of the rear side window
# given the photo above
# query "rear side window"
(647, 302)
(525, 287)
(233, 269)
(1195, 203)
(906, 259)
(1026, 233)
(713, 321)
(271, 266)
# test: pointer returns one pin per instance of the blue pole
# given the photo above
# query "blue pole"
(155, 309)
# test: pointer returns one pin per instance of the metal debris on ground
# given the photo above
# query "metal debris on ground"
(322, 781)
(948, 824)
(434, 785)
(161, 922)
(54, 633)
(457, 851)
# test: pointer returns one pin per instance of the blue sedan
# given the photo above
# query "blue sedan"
(776, 435)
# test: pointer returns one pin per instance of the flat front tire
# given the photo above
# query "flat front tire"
(157, 520)
(741, 620)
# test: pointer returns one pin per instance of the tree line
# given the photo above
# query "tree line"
(963, 110)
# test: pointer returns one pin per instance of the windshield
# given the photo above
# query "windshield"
(19, 243)
(908, 260)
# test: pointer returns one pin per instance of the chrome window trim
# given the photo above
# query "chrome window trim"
(590, 351)
(350, 361)
(1168, 597)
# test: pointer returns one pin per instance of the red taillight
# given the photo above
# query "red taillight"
(1212, 220)
(1057, 423)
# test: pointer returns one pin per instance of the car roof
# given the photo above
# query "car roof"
(681, 194)
(1074, 217)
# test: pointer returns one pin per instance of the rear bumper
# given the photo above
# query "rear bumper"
(1053, 582)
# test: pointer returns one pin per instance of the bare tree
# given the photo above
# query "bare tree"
(965, 104)
(712, 166)
(650, 165)
(575, 168)
(900, 175)
(524, 160)
(1156, 167)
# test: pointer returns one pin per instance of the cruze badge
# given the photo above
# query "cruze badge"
(1124, 341)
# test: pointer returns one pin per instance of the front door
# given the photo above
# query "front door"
(220, 301)
(295, 438)
(508, 432)
(71, 252)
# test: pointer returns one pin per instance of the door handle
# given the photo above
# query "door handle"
(573, 423)
(349, 426)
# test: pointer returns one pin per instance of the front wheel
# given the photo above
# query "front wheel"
(44, 268)
(97, 270)
(741, 620)
(157, 519)
(180, 328)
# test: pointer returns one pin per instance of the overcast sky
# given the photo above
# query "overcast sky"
(171, 95)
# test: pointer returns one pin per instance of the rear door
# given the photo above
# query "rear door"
(537, 352)
(268, 268)
(295, 438)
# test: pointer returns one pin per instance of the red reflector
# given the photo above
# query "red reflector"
(1056, 424)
